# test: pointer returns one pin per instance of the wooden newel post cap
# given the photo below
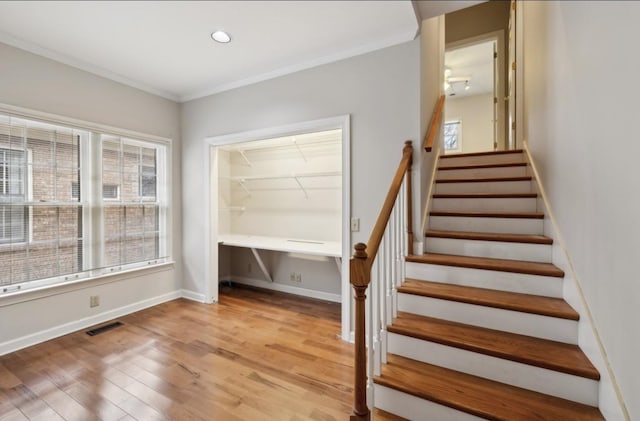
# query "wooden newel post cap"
(407, 147)
(360, 251)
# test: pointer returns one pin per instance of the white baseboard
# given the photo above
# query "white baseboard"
(192, 295)
(64, 329)
(327, 296)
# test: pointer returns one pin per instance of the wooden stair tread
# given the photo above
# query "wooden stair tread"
(490, 236)
(484, 195)
(557, 356)
(501, 265)
(483, 166)
(482, 180)
(526, 215)
(489, 153)
(478, 396)
(525, 303)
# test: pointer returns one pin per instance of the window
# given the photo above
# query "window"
(132, 222)
(12, 181)
(49, 208)
(452, 135)
(109, 191)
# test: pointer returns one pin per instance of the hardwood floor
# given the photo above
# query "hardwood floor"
(257, 355)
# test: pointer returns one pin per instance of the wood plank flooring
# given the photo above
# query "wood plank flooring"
(257, 355)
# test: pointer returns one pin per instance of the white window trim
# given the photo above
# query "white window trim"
(166, 248)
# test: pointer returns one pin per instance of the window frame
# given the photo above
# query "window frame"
(27, 228)
(457, 121)
(88, 160)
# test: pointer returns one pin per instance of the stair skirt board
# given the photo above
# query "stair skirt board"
(415, 408)
(481, 224)
(536, 325)
(546, 286)
(510, 204)
(520, 171)
(454, 161)
(538, 379)
(487, 187)
(493, 249)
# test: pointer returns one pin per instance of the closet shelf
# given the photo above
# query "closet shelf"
(233, 209)
(242, 178)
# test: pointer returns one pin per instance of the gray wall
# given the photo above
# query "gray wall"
(37, 83)
(581, 106)
(380, 90)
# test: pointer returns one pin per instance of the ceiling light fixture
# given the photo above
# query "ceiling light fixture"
(221, 37)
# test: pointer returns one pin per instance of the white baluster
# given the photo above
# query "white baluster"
(383, 314)
(369, 338)
(375, 291)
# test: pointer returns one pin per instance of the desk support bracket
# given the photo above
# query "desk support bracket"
(263, 268)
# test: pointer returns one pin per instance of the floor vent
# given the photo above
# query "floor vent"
(102, 329)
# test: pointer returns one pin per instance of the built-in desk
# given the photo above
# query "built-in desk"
(287, 245)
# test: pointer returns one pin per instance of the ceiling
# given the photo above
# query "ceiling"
(164, 47)
(475, 62)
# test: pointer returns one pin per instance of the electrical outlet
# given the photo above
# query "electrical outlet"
(355, 224)
(298, 277)
(292, 276)
(94, 301)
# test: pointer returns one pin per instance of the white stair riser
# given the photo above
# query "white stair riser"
(547, 286)
(493, 249)
(495, 225)
(415, 408)
(535, 325)
(516, 204)
(526, 376)
(482, 173)
(487, 187)
(455, 161)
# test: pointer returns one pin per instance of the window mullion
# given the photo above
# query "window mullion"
(92, 177)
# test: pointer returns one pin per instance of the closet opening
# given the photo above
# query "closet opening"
(278, 214)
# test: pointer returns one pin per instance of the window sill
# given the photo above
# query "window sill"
(30, 294)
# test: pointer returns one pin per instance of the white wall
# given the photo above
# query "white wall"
(581, 108)
(476, 114)
(432, 39)
(379, 91)
(40, 84)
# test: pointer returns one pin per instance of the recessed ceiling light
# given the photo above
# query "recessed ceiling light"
(221, 37)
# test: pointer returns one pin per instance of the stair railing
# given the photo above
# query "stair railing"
(434, 125)
(380, 263)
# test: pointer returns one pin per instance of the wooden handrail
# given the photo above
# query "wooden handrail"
(378, 229)
(434, 125)
(360, 277)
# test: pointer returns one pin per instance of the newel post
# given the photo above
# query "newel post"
(360, 275)
(408, 149)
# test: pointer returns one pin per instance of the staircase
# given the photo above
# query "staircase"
(482, 331)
